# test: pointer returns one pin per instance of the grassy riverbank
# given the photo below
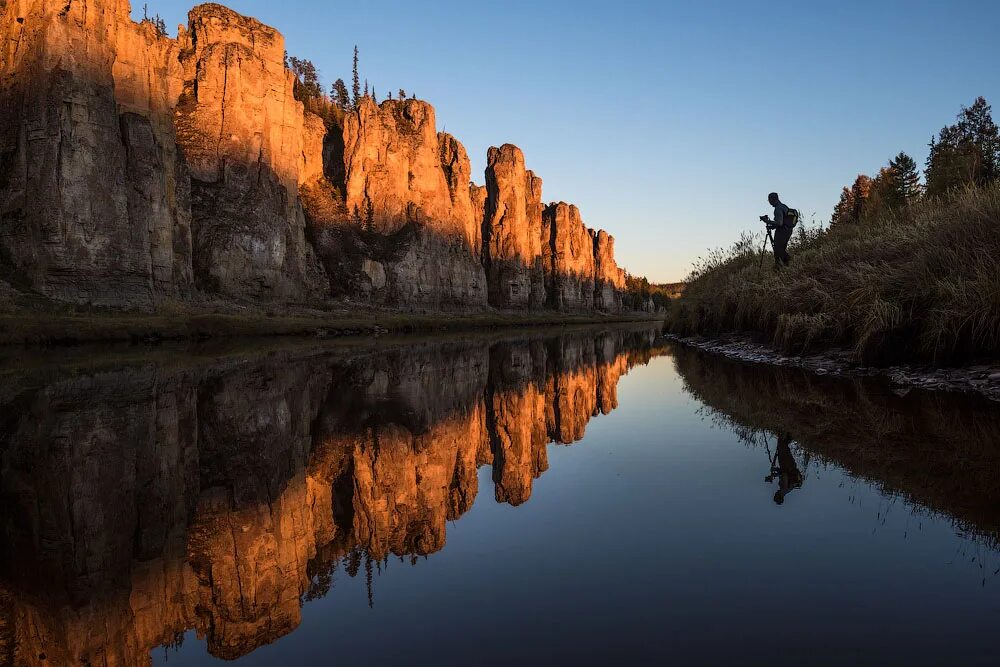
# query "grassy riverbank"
(20, 328)
(923, 284)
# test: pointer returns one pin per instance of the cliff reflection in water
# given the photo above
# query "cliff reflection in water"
(939, 451)
(141, 502)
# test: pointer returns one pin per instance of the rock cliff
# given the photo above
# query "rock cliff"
(137, 166)
(569, 258)
(512, 229)
(609, 279)
(406, 221)
(243, 134)
(138, 169)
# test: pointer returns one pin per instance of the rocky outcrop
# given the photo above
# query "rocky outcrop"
(569, 258)
(407, 215)
(216, 496)
(512, 231)
(243, 134)
(137, 166)
(138, 169)
(609, 280)
(87, 211)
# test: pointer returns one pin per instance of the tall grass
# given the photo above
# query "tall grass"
(922, 285)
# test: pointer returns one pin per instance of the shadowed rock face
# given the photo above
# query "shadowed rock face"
(140, 503)
(609, 283)
(136, 166)
(74, 225)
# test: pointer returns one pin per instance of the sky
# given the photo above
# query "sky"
(667, 123)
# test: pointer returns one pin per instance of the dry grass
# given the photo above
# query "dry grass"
(924, 285)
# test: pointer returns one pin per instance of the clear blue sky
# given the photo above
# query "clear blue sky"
(667, 123)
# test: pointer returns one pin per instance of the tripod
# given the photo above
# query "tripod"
(763, 250)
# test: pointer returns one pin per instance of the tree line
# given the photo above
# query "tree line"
(309, 90)
(964, 154)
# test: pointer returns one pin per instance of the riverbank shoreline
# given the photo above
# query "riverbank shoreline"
(982, 379)
(41, 329)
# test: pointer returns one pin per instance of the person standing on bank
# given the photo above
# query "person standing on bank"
(783, 223)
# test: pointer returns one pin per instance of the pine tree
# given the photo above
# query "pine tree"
(307, 85)
(156, 21)
(366, 87)
(907, 178)
(976, 125)
(966, 153)
(369, 217)
(340, 95)
(402, 94)
(356, 87)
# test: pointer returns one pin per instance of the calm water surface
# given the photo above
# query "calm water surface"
(595, 498)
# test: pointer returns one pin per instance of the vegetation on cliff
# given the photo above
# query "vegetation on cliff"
(902, 277)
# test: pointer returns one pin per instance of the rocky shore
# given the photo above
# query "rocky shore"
(982, 379)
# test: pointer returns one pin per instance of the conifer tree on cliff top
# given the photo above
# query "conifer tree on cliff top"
(356, 87)
(340, 95)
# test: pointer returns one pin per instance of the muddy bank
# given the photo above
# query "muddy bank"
(72, 329)
(982, 378)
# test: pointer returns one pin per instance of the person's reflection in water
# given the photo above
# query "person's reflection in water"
(784, 469)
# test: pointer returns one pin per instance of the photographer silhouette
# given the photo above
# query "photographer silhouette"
(784, 221)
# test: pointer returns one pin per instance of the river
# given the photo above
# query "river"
(600, 496)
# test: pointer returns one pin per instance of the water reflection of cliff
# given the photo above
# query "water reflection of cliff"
(141, 502)
(939, 451)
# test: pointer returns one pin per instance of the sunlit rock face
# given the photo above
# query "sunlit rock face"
(407, 227)
(243, 135)
(512, 231)
(569, 258)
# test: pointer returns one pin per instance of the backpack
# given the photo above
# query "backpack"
(792, 218)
